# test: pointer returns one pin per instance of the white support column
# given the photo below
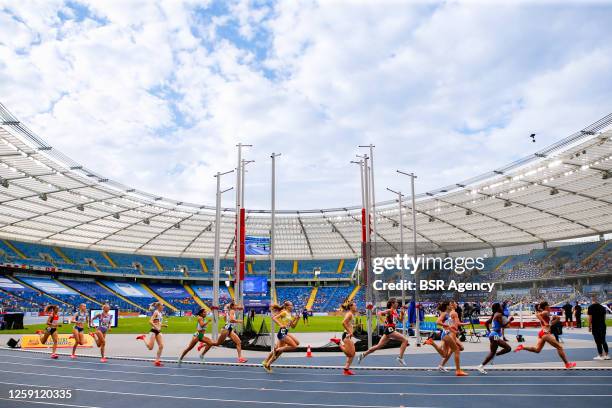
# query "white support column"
(273, 156)
(217, 256)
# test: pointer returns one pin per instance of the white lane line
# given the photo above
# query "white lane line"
(291, 380)
(134, 394)
(557, 367)
(46, 403)
(420, 394)
(309, 374)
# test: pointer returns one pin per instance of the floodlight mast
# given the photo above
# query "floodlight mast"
(416, 271)
(217, 260)
(273, 156)
(366, 246)
(401, 227)
(238, 237)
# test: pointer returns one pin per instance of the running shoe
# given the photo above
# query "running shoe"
(570, 365)
(158, 363)
(606, 357)
(429, 342)
(141, 337)
(348, 372)
(200, 346)
(442, 369)
(71, 336)
(267, 367)
(179, 362)
(461, 373)
(481, 369)
(73, 356)
(401, 361)
(360, 358)
(202, 356)
(519, 348)
(103, 360)
(40, 331)
(600, 358)
(242, 360)
(54, 356)
(335, 341)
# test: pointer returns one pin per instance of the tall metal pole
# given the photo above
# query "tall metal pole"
(372, 191)
(217, 256)
(401, 227)
(416, 272)
(240, 293)
(367, 261)
(273, 156)
(238, 239)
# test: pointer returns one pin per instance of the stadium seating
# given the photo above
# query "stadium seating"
(298, 295)
(176, 295)
(97, 292)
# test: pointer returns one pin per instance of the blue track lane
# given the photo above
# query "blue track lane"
(123, 384)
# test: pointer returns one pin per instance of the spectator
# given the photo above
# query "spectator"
(567, 310)
(578, 315)
(597, 326)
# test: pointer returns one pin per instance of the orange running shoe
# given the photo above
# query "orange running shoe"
(461, 373)
(73, 356)
(348, 372)
(570, 365)
(519, 348)
(54, 356)
(158, 363)
(103, 360)
(40, 331)
(242, 360)
(335, 341)
(429, 341)
(201, 346)
(141, 337)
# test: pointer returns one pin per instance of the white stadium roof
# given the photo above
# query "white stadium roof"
(561, 192)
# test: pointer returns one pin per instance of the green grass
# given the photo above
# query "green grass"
(137, 325)
(133, 325)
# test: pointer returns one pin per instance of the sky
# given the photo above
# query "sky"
(156, 94)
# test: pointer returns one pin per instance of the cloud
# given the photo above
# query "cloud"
(156, 94)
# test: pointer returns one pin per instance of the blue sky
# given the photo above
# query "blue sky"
(155, 94)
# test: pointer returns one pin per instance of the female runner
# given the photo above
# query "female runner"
(286, 342)
(544, 336)
(346, 343)
(199, 337)
(496, 338)
(449, 320)
(229, 329)
(105, 320)
(79, 319)
(391, 316)
(157, 322)
(51, 330)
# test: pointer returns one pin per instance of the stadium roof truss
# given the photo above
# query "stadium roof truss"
(561, 192)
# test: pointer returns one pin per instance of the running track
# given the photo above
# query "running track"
(126, 383)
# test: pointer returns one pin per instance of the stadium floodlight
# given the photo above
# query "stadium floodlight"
(4, 182)
(80, 207)
(43, 196)
(468, 212)
(177, 225)
(146, 221)
(116, 216)
(217, 251)
(431, 219)
(606, 175)
(415, 248)
(554, 191)
(507, 204)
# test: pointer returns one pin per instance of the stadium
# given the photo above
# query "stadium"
(76, 244)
